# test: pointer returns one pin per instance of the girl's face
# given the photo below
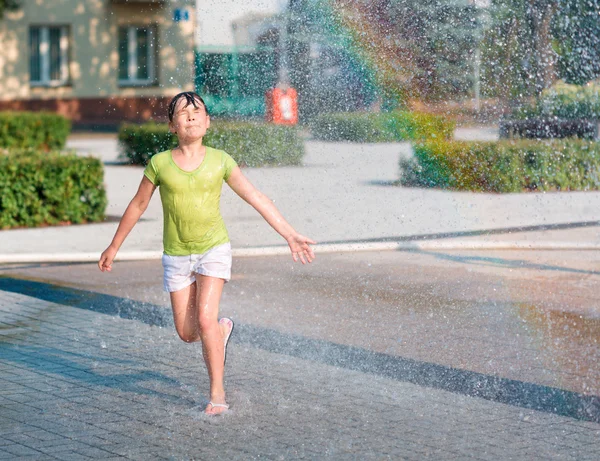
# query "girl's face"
(189, 122)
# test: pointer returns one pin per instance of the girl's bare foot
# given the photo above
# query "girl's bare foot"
(216, 407)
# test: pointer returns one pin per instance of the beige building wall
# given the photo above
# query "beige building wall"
(93, 49)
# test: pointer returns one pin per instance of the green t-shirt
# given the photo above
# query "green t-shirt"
(191, 201)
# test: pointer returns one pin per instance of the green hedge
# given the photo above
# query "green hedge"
(250, 144)
(381, 127)
(504, 166)
(50, 188)
(140, 142)
(35, 130)
(548, 128)
(565, 101)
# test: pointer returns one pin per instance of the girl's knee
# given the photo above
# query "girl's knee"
(206, 323)
(187, 337)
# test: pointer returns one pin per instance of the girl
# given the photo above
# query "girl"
(197, 252)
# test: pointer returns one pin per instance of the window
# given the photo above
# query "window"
(137, 52)
(49, 55)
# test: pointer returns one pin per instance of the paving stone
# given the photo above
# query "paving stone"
(68, 445)
(143, 401)
(18, 449)
(6, 454)
(71, 456)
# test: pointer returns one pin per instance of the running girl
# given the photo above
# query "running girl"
(197, 252)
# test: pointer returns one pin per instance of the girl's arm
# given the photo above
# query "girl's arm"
(132, 214)
(299, 245)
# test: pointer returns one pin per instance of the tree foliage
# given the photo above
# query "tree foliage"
(530, 44)
(439, 36)
(386, 50)
(8, 5)
(577, 37)
(518, 48)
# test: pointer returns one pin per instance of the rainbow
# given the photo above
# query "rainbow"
(384, 65)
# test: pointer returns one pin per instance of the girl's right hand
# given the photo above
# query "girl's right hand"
(106, 259)
(300, 247)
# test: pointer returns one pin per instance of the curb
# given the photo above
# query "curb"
(325, 248)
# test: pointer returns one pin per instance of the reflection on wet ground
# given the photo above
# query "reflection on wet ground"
(457, 380)
(568, 345)
(497, 319)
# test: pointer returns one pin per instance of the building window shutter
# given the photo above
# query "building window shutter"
(123, 54)
(34, 54)
(142, 53)
(55, 55)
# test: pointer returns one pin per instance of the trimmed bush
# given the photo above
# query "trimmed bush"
(541, 128)
(571, 101)
(39, 189)
(504, 166)
(349, 127)
(140, 142)
(257, 144)
(381, 127)
(250, 144)
(565, 101)
(33, 130)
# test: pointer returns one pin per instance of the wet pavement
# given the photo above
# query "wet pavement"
(373, 355)
(343, 193)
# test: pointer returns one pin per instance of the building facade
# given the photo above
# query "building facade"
(98, 62)
(234, 77)
(237, 54)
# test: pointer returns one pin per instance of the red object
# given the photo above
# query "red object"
(282, 106)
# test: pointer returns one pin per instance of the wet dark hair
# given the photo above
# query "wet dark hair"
(191, 98)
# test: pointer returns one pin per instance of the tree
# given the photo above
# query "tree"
(541, 14)
(389, 50)
(441, 37)
(8, 5)
(518, 48)
(577, 36)
(532, 43)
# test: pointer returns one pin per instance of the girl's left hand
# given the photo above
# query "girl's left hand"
(300, 246)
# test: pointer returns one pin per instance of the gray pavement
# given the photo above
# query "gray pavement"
(343, 193)
(414, 355)
(387, 355)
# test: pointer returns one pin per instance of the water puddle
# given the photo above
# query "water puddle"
(568, 344)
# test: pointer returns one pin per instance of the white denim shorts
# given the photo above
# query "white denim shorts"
(180, 271)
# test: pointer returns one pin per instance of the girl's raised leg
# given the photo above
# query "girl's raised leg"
(185, 313)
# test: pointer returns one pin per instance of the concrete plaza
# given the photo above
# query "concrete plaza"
(418, 354)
